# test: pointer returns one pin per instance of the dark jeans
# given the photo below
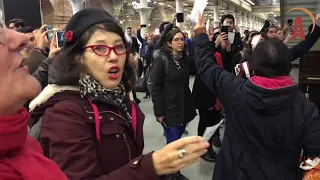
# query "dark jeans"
(174, 133)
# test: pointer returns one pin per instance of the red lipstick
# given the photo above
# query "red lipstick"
(114, 72)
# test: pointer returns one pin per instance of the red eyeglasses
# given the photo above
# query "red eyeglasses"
(103, 50)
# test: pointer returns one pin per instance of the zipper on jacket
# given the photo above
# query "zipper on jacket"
(125, 139)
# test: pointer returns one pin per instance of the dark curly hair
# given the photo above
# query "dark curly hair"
(68, 66)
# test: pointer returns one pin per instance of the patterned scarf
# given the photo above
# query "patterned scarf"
(176, 58)
(91, 88)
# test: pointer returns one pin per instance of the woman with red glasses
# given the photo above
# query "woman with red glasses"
(90, 128)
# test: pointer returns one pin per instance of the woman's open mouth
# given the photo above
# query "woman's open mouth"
(114, 72)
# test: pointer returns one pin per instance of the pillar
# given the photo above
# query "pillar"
(216, 20)
(252, 22)
(77, 5)
(144, 12)
(2, 11)
(240, 24)
(108, 6)
(247, 21)
(179, 9)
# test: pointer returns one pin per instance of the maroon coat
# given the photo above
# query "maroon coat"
(68, 137)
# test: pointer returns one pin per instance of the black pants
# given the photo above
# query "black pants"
(134, 94)
(147, 92)
(207, 118)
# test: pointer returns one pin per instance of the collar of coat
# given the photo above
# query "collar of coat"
(48, 92)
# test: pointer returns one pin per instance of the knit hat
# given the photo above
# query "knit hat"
(82, 21)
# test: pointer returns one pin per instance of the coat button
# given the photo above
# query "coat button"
(117, 135)
(90, 117)
(100, 117)
(112, 118)
(135, 162)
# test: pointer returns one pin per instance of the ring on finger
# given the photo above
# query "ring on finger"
(181, 152)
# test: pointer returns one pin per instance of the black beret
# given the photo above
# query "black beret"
(82, 21)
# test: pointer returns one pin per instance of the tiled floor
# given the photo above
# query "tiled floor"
(154, 139)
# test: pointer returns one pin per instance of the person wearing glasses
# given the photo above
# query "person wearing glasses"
(90, 128)
(170, 92)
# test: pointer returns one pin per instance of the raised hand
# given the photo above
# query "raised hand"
(200, 26)
(54, 50)
(40, 37)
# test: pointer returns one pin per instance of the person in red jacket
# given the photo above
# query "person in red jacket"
(21, 157)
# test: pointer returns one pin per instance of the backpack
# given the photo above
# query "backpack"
(35, 130)
(148, 73)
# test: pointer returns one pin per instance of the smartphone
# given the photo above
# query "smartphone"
(290, 25)
(180, 17)
(224, 29)
(50, 33)
(60, 38)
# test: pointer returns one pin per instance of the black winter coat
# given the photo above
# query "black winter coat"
(203, 98)
(170, 92)
(227, 56)
(266, 129)
(41, 74)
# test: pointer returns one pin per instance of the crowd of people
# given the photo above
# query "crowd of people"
(73, 113)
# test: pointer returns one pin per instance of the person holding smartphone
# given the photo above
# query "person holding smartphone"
(232, 44)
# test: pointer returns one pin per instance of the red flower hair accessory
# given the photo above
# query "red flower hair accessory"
(68, 36)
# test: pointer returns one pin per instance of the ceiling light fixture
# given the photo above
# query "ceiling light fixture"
(249, 1)
(245, 2)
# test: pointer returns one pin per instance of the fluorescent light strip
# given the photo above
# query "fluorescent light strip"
(245, 2)
(249, 1)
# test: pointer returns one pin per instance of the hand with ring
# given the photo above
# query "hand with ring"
(179, 154)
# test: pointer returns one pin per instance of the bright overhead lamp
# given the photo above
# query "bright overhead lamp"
(249, 1)
(245, 2)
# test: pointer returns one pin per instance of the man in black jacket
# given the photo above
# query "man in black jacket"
(132, 41)
(134, 49)
(229, 49)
